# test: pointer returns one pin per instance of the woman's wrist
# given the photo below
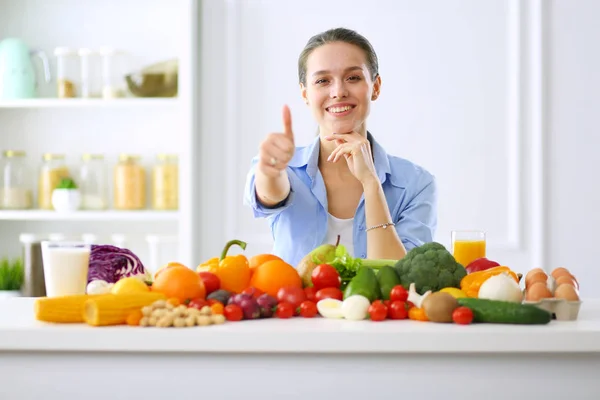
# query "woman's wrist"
(371, 184)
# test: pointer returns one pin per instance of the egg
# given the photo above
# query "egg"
(537, 291)
(538, 276)
(566, 292)
(531, 272)
(564, 279)
(560, 272)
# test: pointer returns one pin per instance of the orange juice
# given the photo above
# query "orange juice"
(466, 251)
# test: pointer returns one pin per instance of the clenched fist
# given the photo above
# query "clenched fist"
(277, 149)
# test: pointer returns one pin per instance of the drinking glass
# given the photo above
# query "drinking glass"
(467, 246)
(65, 267)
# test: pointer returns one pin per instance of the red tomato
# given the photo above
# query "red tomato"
(398, 293)
(291, 294)
(329, 293)
(252, 291)
(211, 281)
(198, 303)
(308, 309)
(233, 312)
(398, 310)
(311, 293)
(378, 311)
(387, 303)
(285, 310)
(462, 316)
(325, 276)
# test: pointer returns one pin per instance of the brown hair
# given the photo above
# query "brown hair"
(338, 35)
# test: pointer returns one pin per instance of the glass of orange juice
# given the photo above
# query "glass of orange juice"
(467, 246)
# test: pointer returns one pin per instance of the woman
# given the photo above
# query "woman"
(343, 183)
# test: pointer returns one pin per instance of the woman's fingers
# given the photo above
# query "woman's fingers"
(275, 157)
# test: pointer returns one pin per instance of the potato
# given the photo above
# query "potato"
(439, 306)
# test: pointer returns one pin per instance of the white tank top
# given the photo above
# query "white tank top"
(342, 227)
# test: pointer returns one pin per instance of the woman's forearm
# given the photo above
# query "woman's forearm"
(271, 190)
(381, 243)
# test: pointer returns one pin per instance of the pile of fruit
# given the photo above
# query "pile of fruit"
(426, 285)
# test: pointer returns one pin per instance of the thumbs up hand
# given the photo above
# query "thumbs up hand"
(277, 149)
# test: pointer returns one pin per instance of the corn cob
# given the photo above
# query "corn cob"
(113, 309)
(63, 309)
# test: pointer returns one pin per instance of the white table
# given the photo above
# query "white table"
(299, 359)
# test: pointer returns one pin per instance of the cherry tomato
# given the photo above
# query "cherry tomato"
(325, 276)
(211, 281)
(329, 293)
(217, 308)
(198, 303)
(377, 311)
(285, 310)
(291, 294)
(252, 291)
(398, 293)
(387, 303)
(233, 312)
(311, 293)
(462, 316)
(308, 309)
(398, 310)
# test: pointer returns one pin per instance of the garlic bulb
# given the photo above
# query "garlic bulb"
(99, 286)
(501, 287)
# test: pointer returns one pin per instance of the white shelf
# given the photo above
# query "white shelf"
(107, 216)
(88, 103)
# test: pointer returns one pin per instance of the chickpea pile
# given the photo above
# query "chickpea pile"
(163, 314)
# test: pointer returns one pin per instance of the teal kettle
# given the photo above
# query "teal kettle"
(17, 71)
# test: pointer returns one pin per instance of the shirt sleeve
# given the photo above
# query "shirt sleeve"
(250, 198)
(417, 222)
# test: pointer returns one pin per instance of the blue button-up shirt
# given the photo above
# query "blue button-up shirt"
(299, 224)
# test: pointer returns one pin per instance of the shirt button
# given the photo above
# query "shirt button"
(363, 255)
(361, 227)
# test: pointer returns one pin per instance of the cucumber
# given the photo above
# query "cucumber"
(504, 312)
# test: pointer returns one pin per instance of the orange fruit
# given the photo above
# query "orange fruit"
(179, 282)
(260, 259)
(168, 265)
(273, 275)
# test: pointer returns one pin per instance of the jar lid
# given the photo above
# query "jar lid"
(91, 156)
(13, 153)
(165, 157)
(129, 157)
(53, 156)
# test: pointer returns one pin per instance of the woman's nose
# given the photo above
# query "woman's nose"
(338, 90)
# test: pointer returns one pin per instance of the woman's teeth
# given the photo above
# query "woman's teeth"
(339, 109)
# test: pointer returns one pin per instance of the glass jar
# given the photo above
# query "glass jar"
(113, 73)
(165, 183)
(15, 187)
(52, 171)
(66, 72)
(93, 182)
(129, 183)
(91, 74)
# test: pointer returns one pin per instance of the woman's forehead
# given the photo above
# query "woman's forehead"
(335, 57)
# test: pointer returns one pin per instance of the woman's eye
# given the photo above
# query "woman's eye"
(319, 81)
(354, 78)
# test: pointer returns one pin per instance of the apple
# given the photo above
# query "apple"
(481, 264)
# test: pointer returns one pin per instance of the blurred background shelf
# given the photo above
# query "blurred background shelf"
(105, 216)
(88, 103)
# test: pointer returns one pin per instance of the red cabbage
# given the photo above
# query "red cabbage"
(111, 263)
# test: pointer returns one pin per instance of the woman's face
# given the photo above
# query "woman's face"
(339, 88)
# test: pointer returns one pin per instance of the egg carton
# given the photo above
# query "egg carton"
(561, 309)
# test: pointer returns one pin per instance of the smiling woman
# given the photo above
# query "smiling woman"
(343, 183)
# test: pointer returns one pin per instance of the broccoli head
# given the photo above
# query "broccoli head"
(430, 267)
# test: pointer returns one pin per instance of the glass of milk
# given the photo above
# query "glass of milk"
(65, 267)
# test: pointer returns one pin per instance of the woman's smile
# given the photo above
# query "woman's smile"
(340, 110)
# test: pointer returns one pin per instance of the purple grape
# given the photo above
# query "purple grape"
(267, 305)
(250, 308)
(237, 298)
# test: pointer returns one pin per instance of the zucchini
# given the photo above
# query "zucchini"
(505, 312)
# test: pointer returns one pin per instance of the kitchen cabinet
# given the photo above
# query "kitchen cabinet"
(146, 32)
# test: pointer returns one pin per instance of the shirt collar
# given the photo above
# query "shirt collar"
(308, 157)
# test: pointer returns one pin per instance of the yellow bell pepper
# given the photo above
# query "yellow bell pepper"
(233, 271)
(471, 283)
